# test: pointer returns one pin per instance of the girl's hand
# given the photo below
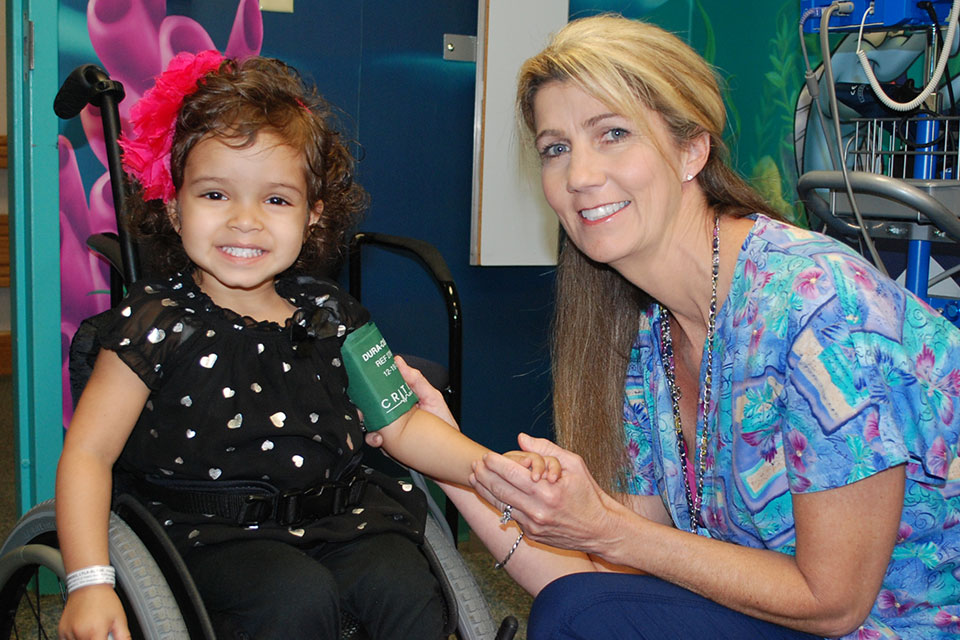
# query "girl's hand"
(91, 613)
(571, 513)
(431, 400)
(540, 466)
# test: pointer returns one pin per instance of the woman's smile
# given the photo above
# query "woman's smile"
(603, 212)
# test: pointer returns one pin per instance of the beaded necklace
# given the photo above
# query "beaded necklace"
(694, 502)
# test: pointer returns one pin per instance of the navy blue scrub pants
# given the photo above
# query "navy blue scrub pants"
(613, 606)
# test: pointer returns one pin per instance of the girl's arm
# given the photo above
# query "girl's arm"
(106, 414)
(422, 441)
(845, 537)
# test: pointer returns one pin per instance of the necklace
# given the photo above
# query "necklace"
(694, 502)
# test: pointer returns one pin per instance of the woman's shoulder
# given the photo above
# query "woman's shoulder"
(781, 258)
(789, 279)
(819, 282)
(778, 237)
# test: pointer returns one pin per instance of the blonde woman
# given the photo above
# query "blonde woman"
(749, 413)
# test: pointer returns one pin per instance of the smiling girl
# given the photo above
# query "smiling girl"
(219, 395)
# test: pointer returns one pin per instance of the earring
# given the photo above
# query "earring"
(688, 177)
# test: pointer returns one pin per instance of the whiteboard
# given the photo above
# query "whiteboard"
(511, 223)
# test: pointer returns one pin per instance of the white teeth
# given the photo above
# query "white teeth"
(242, 252)
(603, 211)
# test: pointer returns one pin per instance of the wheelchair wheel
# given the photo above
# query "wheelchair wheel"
(151, 609)
(25, 612)
(474, 621)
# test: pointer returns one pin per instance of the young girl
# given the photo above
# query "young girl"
(219, 397)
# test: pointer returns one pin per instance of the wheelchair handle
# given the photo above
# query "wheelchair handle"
(508, 628)
(89, 84)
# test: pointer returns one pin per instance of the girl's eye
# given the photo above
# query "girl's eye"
(277, 200)
(213, 195)
(554, 150)
(616, 134)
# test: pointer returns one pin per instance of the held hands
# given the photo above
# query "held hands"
(91, 613)
(572, 512)
(540, 466)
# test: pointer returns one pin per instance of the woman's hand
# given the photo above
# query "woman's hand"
(431, 400)
(91, 613)
(571, 513)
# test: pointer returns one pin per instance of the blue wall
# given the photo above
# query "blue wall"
(416, 128)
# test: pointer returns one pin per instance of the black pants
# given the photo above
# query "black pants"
(265, 589)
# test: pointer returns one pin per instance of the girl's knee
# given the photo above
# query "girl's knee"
(301, 604)
(388, 583)
(261, 586)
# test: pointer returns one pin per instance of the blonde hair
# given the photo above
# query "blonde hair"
(632, 67)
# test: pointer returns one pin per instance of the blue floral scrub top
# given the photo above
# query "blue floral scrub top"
(825, 373)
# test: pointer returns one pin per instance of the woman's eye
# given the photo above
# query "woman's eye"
(553, 150)
(616, 134)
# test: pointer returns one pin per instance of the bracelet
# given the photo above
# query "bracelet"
(501, 565)
(88, 576)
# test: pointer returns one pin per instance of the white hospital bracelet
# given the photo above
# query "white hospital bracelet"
(96, 574)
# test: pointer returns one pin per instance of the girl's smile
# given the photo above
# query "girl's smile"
(243, 252)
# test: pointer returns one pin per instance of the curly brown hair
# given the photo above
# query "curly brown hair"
(235, 103)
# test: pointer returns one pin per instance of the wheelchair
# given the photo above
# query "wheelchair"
(155, 588)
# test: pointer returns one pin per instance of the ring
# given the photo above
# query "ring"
(507, 514)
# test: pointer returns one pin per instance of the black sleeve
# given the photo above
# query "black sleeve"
(146, 330)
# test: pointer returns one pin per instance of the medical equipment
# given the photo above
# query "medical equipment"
(895, 173)
(887, 15)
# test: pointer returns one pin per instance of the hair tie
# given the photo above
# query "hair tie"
(154, 119)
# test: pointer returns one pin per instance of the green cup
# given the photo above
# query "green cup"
(375, 384)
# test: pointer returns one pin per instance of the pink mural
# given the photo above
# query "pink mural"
(134, 40)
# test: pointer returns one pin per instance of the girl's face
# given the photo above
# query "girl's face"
(615, 187)
(242, 214)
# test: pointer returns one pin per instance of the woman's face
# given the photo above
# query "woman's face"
(615, 190)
